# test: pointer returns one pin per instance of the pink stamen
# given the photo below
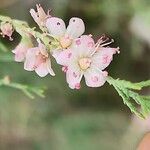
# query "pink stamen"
(64, 69)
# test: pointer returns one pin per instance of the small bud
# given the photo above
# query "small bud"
(39, 16)
(21, 49)
(7, 29)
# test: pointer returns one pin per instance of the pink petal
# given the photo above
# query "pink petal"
(34, 15)
(7, 29)
(84, 45)
(20, 52)
(41, 12)
(49, 68)
(73, 78)
(95, 78)
(75, 28)
(42, 48)
(56, 26)
(30, 59)
(85, 40)
(103, 57)
(39, 16)
(42, 70)
(63, 57)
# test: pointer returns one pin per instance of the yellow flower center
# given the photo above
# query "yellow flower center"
(65, 42)
(84, 63)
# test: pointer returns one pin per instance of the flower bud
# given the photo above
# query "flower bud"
(21, 49)
(7, 29)
(39, 16)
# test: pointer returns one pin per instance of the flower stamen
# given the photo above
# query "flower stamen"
(84, 63)
(65, 42)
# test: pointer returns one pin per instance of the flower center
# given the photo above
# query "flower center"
(39, 60)
(84, 63)
(65, 42)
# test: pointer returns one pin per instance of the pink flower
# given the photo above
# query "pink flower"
(38, 60)
(86, 59)
(40, 16)
(7, 29)
(21, 50)
(65, 36)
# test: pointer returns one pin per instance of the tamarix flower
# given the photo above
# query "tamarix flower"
(38, 60)
(86, 59)
(65, 36)
(7, 29)
(21, 49)
(40, 16)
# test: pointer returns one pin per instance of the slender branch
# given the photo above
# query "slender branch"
(28, 90)
(23, 27)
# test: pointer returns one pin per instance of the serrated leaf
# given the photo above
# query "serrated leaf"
(132, 98)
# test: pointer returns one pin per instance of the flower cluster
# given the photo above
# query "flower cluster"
(78, 54)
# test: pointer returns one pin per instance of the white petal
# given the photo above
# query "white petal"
(73, 77)
(85, 45)
(42, 48)
(63, 57)
(56, 26)
(95, 78)
(30, 59)
(42, 70)
(75, 28)
(49, 68)
(103, 57)
(34, 15)
(20, 52)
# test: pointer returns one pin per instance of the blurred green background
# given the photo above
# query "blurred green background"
(88, 119)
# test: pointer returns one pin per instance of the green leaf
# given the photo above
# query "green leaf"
(3, 48)
(138, 104)
(6, 57)
(143, 84)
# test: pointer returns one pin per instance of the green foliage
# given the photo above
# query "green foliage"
(26, 89)
(6, 57)
(131, 98)
(3, 48)
(124, 88)
(30, 91)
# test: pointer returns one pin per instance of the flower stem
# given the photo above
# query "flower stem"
(29, 91)
(23, 27)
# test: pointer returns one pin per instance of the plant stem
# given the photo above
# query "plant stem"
(23, 27)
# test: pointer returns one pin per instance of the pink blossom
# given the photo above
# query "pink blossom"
(86, 59)
(65, 36)
(40, 16)
(38, 60)
(21, 50)
(7, 29)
